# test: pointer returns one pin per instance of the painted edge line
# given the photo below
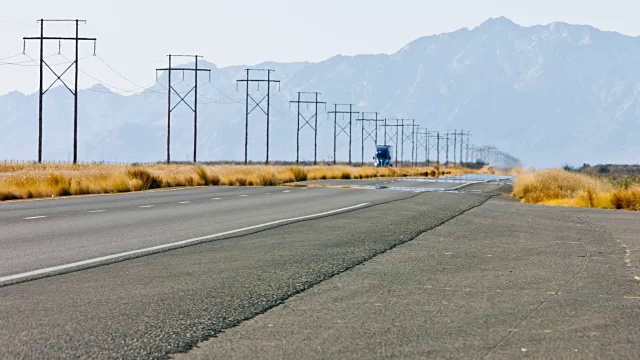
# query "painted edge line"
(34, 217)
(459, 187)
(178, 244)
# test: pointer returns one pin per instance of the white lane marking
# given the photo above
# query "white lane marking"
(169, 246)
(96, 211)
(147, 206)
(184, 202)
(287, 191)
(34, 217)
(244, 195)
(216, 199)
(267, 193)
(458, 187)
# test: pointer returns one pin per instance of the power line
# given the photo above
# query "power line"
(120, 90)
(29, 25)
(11, 57)
(32, 60)
(225, 95)
(119, 74)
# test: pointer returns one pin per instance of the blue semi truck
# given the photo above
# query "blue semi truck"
(383, 156)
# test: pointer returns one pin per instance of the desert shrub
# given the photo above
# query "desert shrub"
(556, 184)
(269, 179)
(345, 175)
(214, 180)
(146, 179)
(627, 199)
(433, 173)
(299, 173)
(241, 181)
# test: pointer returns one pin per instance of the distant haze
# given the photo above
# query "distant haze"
(551, 95)
(135, 36)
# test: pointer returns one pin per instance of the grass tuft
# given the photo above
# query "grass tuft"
(299, 173)
(143, 179)
(628, 199)
(563, 188)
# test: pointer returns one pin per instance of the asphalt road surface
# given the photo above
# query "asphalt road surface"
(393, 268)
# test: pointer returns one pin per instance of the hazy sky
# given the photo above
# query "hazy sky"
(134, 36)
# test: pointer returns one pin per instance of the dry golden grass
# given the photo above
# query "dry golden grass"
(23, 181)
(563, 188)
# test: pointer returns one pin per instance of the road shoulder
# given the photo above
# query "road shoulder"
(503, 280)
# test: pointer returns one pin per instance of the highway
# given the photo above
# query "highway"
(155, 274)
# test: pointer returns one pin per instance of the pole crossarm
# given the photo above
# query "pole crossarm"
(58, 38)
(183, 69)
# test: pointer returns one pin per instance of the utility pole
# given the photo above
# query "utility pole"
(392, 138)
(422, 141)
(408, 136)
(368, 133)
(182, 98)
(455, 145)
(342, 129)
(307, 122)
(413, 142)
(258, 104)
(446, 139)
(462, 136)
(435, 135)
(469, 160)
(74, 64)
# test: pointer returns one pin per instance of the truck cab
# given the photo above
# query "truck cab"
(383, 156)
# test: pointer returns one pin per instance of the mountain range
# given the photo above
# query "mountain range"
(549, 94)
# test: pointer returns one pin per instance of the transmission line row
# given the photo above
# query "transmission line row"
(402, 132)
